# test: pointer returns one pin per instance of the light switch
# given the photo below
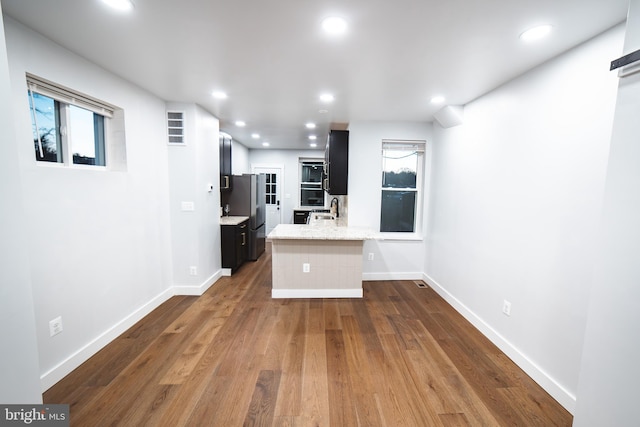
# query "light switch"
(188, 206)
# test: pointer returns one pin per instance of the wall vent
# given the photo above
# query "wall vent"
(175, 127)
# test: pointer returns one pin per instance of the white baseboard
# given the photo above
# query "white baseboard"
(198, 290)
(562, 395)
(392, 276)
(55, 374)
(316, 293)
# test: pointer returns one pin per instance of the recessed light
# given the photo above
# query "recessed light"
(536, 33)
(313, 145)
(312, 137)
(265, 144)
(334, 25)
(119, 4)
(438, 99)
(310, 125)
(218, 94)
(326, 97)
(255, 135)
(240, 123)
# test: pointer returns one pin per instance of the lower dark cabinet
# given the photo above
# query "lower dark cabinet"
(300, 216)
(235, 240)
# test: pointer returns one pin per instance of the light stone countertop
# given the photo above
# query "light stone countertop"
(232, 220)
(320, 232)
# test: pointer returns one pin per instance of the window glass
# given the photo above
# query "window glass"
(86, 133)
(398, 211)
(399, 168)
(271, 189)
(45, 125)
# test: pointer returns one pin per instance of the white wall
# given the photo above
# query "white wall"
(393, 259)
(290, 199)
(195, 235)
(19, 356)
(516, 202)
(610, 373)
(98, 241)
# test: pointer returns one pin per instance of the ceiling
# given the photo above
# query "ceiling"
(273, 59)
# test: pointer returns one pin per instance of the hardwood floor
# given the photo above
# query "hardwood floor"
(400, 356)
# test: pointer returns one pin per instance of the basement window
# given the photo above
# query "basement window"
(68, 127)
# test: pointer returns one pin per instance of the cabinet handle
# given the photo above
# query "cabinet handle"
(244, 240)
(325, 184)
(226, 181)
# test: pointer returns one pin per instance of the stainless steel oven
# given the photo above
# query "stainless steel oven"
(311, 175)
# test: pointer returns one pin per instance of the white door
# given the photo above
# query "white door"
(273, 189)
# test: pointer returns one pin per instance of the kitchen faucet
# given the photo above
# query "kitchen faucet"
(335, 201)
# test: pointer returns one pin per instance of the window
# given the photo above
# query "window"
(402, 172)
(271, 192)
(68, 127)
(311, 193)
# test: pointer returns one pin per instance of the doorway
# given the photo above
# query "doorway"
(273, 189)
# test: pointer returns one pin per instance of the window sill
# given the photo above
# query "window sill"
(56, 165)
(405, 237)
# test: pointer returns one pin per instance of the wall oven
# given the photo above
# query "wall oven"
(311, 176)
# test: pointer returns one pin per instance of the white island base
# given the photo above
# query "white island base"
(317, 262)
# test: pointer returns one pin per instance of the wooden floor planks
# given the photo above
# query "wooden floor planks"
(400, 356)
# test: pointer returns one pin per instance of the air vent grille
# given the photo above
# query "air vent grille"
(175, 127)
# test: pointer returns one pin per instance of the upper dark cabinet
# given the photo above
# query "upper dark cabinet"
(225, 162)
(336, 161)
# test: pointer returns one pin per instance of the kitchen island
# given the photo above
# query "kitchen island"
(322, 261)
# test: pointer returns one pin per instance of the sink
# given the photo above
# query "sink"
(321, 219)
(322, 215)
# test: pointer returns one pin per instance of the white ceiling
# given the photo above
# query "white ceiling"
(273, 60)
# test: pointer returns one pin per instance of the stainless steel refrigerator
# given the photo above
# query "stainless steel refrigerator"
(247, 198)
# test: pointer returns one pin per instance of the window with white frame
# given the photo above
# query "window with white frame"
(68, 127)
(402, 188)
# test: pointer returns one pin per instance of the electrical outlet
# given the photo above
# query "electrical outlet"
(55, 326)
(370, 256)
(306, 267)
(193, 270)
(506, 307)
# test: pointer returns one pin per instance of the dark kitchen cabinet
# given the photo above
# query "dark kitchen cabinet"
(300, 216)
(336, 162)
(225, 163)
(235, 241)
